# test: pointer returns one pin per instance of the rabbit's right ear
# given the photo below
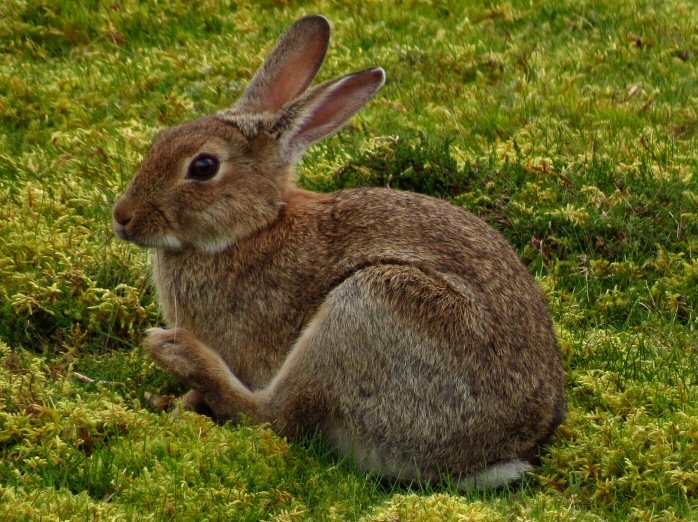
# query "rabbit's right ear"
(290, 67)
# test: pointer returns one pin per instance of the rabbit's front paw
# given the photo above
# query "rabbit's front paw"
(194, 401)
(175, 350)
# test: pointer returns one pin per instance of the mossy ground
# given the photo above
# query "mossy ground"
(570, 126)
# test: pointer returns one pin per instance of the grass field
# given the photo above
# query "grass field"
(571, 126)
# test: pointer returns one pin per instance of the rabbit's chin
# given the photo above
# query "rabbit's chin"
(172, 243)
(166, 242)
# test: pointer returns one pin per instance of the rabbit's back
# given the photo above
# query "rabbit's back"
(365, 227)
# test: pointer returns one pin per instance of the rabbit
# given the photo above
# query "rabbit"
(402, 329)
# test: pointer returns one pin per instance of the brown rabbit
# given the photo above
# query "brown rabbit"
(402, 328)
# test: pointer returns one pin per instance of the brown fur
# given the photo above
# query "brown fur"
(403, 328)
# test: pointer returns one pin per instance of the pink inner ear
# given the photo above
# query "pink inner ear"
(340, 104)
(289, 81)
(293, 76)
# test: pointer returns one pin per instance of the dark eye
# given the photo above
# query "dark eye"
(203, 167)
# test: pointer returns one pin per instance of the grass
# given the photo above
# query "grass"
(569, 126)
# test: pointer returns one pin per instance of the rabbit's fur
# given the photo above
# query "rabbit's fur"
(402, 328)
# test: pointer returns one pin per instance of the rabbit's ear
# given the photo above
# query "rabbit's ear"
(326, 109)
(290, 67)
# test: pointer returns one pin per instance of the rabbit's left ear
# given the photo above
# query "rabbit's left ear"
(325, 109)
(290, 67)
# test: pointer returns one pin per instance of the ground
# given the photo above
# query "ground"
(570, 126)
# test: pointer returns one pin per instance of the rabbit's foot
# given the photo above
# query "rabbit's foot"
(180, 353)
(215, 390)
(193, 401)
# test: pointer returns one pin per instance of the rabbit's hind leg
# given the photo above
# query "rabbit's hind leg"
(384, 391)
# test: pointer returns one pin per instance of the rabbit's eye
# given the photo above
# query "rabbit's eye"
(203, 167)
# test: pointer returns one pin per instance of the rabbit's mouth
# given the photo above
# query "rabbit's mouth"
(120, 231)
(166, 241)
(155, 231)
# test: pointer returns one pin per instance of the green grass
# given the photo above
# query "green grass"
(570, 126)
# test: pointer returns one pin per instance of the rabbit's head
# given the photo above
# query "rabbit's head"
(210, 182)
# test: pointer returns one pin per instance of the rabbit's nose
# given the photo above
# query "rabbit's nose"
(122, 214)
